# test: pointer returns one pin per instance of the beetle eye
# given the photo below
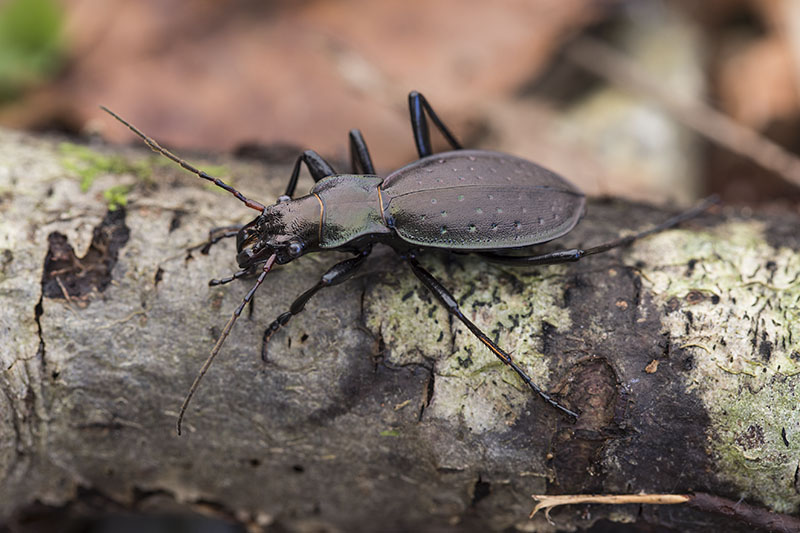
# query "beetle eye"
(295, 249)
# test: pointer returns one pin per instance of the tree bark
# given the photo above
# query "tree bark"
(682, 353)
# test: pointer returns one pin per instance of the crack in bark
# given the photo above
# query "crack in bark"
(65, 275)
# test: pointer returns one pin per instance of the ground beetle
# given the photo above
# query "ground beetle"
(476, 201)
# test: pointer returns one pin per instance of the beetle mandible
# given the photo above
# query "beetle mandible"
(476, 201)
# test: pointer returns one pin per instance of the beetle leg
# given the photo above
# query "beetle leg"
(566, 256)
(552, 258)
(418, 105)
(695, 211)
(317, 167)
(338, 273)
(360, 160)
(451, 304)
(214, 236)
(235, 275)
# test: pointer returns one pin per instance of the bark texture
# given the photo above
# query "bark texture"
(682, 352)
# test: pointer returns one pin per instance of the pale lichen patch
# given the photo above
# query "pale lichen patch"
(413, 325)
(471, 382)
(731, 305)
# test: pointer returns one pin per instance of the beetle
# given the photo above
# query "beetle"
(468, 201)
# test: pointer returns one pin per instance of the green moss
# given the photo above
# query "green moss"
(390, 433)
(116, 196)
(756, 442)
(31, 44)
(87, 164)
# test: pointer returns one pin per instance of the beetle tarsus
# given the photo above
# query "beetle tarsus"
(217, 234)
(235, 275)
(273, 328)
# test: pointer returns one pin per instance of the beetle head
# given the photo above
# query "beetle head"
(280, 229)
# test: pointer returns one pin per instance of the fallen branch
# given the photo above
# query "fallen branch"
(372, 405)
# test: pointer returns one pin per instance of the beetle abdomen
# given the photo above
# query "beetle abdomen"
(479, 200)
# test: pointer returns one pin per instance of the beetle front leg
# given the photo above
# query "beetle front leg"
(236, 275)
(452, 307)
(338, 273)
(214, 236)
(317, 167)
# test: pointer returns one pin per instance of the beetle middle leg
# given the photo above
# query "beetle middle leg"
(452, 307)
(338, 273)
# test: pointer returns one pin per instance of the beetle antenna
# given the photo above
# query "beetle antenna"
(154, 146)
(222, 337)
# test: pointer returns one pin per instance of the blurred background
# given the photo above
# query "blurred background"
(656, 100)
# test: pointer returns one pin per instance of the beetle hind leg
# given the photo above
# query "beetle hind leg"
(452, 307)
(418, 106)
(689, 214)
(360, 160)
(575, 254)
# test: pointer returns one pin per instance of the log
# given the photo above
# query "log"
(682, 353)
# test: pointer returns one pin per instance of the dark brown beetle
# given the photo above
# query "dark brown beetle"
(477, 201)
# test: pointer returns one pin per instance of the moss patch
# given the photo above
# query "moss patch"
(116, 196)
(87, 164)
